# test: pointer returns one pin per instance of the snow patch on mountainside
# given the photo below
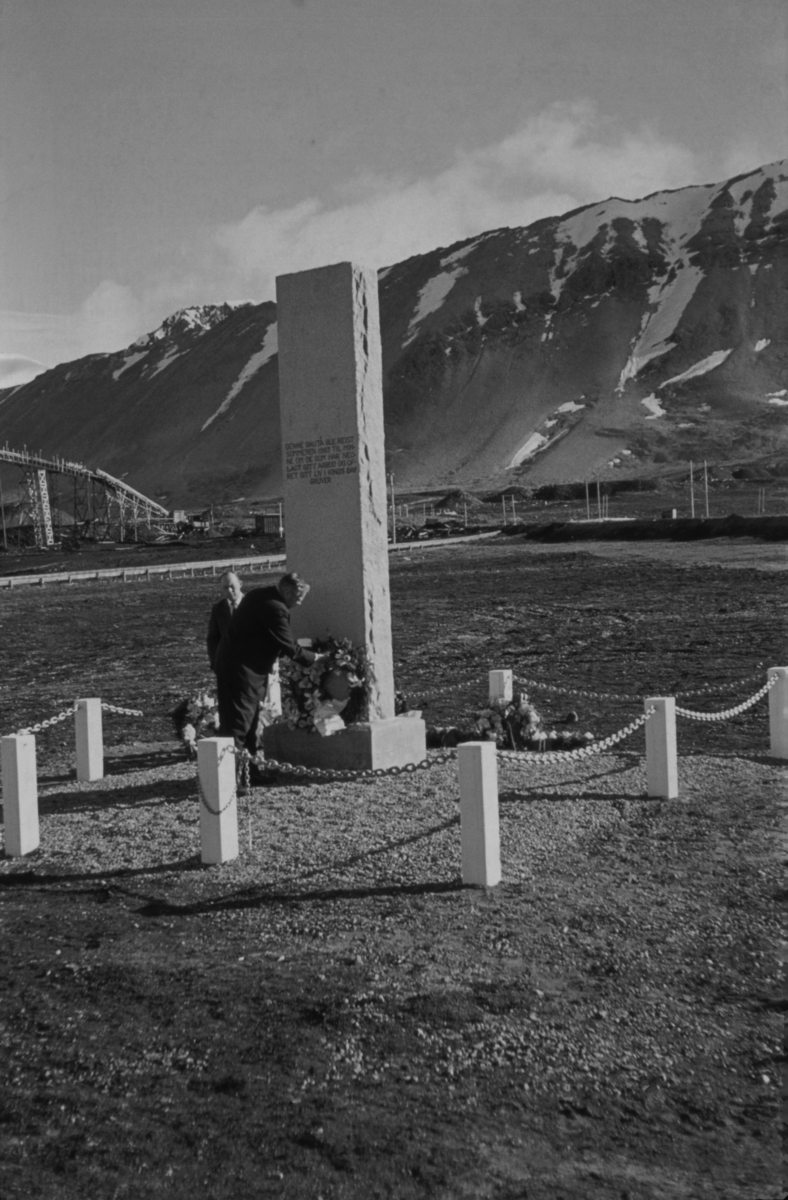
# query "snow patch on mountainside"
(556, 282)
(518, 302)
(529, 447)
(129, 362)
(741, 218)
(268, 350)
(637, 361)
(654, 407)
(700, 368)
(681, 215)
(570, 407)
(199, 319)
(456, 255)
(168, 359)
(433, 294)
(762, 344)
(667, 300)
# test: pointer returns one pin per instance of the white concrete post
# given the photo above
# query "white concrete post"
(500, 685)
(90, 740)
(481, 846)
(218, 807)
(20, 794)
(273, 695)
(778, 713)
(661, 758)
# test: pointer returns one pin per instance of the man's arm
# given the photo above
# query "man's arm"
(281, 634)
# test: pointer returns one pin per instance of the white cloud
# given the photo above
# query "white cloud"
(560, 159)
(16, 369)
(747, 155)
(107, 320)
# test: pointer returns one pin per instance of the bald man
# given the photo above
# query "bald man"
(222, 612)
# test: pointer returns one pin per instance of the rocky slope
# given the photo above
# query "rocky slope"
(617, 339)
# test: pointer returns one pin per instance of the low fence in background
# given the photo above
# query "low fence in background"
(253, 564)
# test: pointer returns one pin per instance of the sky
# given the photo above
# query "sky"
(156, 154)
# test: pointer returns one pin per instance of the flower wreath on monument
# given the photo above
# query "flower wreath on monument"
(331, 693)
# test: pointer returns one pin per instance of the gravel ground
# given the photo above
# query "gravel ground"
(623, 970)
(333, 1015)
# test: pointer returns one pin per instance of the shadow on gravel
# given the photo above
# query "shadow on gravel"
(761, 757)
(35, 878)
(144, 762)
(64, 777)
(263, 899)
(165, 791)
(557, 789)
(540, 796)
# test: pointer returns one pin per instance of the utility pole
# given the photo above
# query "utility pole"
(503, 507)
(514, 511)
(706, 485)
(393, 513)
(692, 493)
(598, 501)
(588, 504)
(2, 510)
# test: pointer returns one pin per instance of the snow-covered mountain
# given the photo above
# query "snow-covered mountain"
(615, 339)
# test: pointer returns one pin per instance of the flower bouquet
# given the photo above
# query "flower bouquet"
(195, 717)
(334, 686)
(517, 725)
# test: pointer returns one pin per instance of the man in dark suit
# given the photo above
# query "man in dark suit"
(221, 613)
(258, 634)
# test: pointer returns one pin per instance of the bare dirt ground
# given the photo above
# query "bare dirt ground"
(725, 553)
(334, 1015)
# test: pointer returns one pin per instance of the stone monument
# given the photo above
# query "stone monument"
(331, 402)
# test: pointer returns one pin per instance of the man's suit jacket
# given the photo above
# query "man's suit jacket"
(259, 633)
(218, 624)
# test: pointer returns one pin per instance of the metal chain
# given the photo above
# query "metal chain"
(217, 812)
(581, 751)
(570, 691)
(273, 764)
(67, 712)
(728, 712)
(431, 693)
(125, 712)
(707, 691)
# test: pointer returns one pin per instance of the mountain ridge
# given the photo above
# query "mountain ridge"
(616, 338)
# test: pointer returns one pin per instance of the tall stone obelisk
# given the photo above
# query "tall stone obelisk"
(331, 401)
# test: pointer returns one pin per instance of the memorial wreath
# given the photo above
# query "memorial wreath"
(335, 684)
(517, 725)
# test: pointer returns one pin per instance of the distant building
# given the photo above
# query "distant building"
(269, 523)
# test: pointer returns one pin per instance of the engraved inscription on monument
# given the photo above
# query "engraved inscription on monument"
(321, 459)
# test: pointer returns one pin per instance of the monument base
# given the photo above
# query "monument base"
(373, 745)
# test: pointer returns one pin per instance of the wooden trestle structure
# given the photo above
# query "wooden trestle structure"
(59, 498)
